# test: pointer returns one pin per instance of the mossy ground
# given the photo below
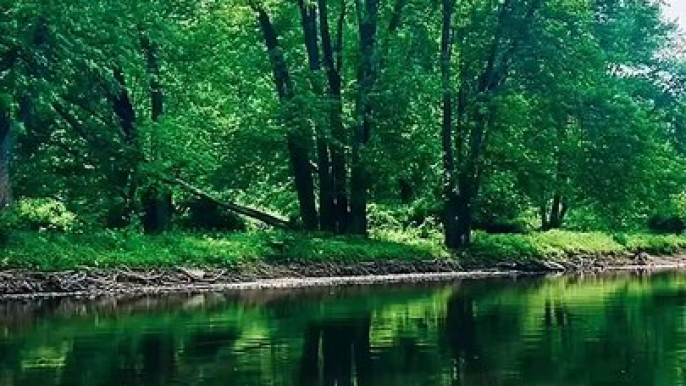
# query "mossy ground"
(116, 249)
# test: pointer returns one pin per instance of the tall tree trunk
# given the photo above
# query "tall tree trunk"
(564, 210)
(559, 207)
(123, 108)
(126, 174)
(543, 214)
(368, 11)
(157, 202)
(308, 16)
(554, 218)
(298, 150)
(555, 212)
(152, 62)
(327, 209)
(5, 139)
(474, 121)
(465, 212)
(450, 197)
(334, 88)
(157, 210)
(297, 138)
(468, 181)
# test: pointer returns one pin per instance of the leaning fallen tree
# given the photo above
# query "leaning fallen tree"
(239, 209)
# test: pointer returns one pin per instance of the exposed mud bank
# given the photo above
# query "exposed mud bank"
(92, 283)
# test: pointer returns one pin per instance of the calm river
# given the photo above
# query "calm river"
(619, 329)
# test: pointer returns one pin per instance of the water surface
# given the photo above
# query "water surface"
(595, 330)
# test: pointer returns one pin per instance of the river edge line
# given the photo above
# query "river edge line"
(93, 283)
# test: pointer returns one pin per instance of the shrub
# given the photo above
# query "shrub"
(500, 205)
(671, 217)
(420, 218)
(656, 244)
(382, 216)
(666, 223)
(586, 219)
(40, 214)
(621, 239)
(424, 211)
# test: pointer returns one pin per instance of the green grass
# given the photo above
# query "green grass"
(656, 244)
(48, 251)
(110, 249)
(560, 245)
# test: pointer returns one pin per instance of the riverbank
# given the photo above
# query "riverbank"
(90, 283)
(41, 264)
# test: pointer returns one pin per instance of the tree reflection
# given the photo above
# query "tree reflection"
(342, 347)
(158, 350)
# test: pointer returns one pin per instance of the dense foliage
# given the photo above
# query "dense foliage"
(341, 116)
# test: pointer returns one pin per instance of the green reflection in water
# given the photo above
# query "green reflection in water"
(601, 330)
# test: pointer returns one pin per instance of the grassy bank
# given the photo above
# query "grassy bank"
(116, 249)
(562, 245)
(49, 251)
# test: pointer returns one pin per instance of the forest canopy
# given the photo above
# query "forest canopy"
(342, 116)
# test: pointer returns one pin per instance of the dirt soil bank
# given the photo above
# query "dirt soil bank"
(91, 283)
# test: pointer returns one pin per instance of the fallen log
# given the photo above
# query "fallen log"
(240, 209)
